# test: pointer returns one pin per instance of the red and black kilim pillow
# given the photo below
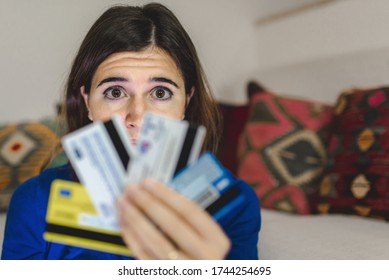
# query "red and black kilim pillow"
(357, 176)
(282, 151)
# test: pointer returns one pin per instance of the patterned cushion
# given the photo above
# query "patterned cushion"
(357, 180)
(25, 149)
(281, 151)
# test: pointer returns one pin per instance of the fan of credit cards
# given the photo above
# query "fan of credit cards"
(84, 214)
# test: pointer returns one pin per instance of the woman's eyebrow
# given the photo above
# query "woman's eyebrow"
(112, 79)
(164, 80)
(154, 79)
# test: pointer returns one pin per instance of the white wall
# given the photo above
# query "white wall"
(322, 51)
(39, 38)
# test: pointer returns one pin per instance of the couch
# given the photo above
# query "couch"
(304, 213)
(2, 224)
(319, 170)
(286, 236)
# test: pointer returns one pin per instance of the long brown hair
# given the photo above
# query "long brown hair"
(132, 28)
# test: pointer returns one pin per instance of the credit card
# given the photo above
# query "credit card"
(210, 185)
(165, 146)
(73, 220)
(100, 154)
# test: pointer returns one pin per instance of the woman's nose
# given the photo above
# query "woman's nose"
(134, 113)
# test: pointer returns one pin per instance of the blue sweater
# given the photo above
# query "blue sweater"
(25, 225)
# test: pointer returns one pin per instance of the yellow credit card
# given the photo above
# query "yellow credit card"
(73, 220)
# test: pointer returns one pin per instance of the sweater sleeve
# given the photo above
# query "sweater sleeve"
(25, 224)
(243, 225)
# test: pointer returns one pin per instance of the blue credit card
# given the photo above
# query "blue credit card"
(210, 185)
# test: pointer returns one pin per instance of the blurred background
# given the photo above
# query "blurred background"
(299, 47)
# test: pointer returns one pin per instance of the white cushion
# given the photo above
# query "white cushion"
(333, 237)
(2, 224)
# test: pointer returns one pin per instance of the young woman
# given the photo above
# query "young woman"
(133, 60)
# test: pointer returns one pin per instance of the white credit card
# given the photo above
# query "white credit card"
(164, 147)
(167, 150)
(100, 154)
(105, 160)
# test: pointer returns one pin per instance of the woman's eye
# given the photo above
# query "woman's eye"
(114, 93)
(161, 93)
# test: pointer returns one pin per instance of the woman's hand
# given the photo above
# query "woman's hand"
(159, 223)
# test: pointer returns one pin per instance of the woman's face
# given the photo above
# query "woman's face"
(130, 83)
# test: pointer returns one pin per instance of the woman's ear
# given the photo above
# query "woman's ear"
(85, 96)
(189, 96)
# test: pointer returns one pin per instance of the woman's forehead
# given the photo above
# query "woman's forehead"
(148, 60)
(148, 57)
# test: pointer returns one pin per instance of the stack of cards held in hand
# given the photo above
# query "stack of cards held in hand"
(105, 161)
